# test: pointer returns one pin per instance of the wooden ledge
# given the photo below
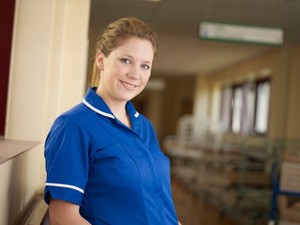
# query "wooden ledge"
(11, 148)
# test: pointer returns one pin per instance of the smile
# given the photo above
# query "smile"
(128, 85)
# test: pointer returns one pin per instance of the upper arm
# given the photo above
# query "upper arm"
(62, 212)
(67, 161)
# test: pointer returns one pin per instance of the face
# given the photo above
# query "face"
(125, 71)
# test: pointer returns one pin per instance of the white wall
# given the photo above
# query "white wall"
(5, 174)
(202, 98)
(48, 74)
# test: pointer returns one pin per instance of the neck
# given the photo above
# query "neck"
(118, 109)
(121, 115)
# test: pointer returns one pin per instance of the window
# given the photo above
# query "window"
(262, 107)
(245, 107)
(237, 109)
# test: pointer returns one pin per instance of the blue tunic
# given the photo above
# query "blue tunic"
(117, 175)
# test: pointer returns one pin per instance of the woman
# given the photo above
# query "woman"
(103, 161)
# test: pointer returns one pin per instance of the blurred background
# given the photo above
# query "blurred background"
(223, 98)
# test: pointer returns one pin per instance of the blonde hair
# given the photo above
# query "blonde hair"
(116, 33)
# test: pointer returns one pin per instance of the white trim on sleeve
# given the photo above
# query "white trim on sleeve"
(65, 186)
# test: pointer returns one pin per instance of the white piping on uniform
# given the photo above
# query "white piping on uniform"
(97, 110)
(65, 186)
(136, 114)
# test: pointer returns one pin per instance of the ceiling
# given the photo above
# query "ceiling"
(181, 51)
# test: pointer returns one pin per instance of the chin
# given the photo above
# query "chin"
(130, 96)
(126, 98)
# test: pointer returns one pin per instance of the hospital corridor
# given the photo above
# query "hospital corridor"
(220, 110)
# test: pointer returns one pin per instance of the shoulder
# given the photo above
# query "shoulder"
(78, 114)
(68, 129)
(71, 121)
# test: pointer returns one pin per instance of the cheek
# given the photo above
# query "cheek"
(145, 78)
(114, 74)
(116, 70)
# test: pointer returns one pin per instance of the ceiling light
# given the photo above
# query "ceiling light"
(241, 33)
(150, 0)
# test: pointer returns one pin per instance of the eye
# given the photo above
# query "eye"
(145, 67)
(126, 61)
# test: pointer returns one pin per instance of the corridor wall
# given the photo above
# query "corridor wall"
(282, 66)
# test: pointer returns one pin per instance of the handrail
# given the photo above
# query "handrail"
(11, 148)
(36, 214)
(40, 214)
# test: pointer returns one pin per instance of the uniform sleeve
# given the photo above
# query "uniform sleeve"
(67, 161)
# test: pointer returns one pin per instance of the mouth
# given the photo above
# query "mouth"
(128, 85)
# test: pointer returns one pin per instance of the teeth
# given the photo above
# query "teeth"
(128, 85)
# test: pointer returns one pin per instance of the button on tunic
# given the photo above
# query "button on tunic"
(118, 175)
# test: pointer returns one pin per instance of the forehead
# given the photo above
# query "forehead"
(135, 46)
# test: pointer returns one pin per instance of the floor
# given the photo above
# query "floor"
(192, 211)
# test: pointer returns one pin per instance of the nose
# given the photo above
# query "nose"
(134, 72)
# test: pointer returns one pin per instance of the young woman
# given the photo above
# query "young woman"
(103, 161)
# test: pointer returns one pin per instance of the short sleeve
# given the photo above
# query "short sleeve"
(67, 161)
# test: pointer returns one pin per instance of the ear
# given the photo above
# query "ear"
(99, 60)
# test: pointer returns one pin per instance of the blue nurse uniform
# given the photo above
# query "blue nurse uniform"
(117, 175)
